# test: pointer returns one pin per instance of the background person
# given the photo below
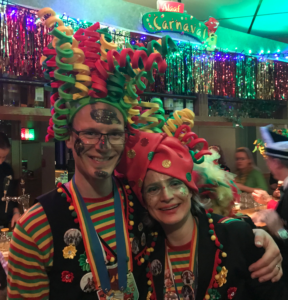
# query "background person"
(277, 161)
(13, 213)
(249, 177)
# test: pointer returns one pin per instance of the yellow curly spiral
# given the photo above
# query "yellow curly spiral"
(106, 45)
(184, 116)
(131, 112)
(83, 80)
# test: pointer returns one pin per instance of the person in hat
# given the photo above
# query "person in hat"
(276, 152)
(80, 233)
(215, 251)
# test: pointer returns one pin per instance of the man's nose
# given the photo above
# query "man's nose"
(103, 143)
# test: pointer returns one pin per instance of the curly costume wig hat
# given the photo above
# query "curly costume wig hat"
(87, 67)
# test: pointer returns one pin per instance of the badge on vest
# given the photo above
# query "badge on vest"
(72, 238)
(87, 283)
(131, 292)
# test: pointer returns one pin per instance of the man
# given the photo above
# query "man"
(277, 161)
(13, 213)
(46, 259)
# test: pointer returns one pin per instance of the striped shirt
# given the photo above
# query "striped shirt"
(183, 265)
(31, 248)
(179, 258)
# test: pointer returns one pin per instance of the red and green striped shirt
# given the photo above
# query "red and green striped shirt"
(179, 258)
(31, 249)
(183, 262)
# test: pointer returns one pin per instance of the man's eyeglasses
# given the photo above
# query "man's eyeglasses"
(90, 137)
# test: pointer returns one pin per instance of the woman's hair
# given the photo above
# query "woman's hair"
(221, 160)
(248, 154)
(196, 207)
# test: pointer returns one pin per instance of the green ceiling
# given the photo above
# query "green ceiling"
(238, 15)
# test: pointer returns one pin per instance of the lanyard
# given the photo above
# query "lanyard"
(93, 245)
(192, 258)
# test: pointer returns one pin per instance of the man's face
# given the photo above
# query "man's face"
(97, 159)
(3, 155)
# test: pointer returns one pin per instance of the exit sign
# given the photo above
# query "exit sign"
(27, 134)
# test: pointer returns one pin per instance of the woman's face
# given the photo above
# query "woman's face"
(167, 199)
(242, 160)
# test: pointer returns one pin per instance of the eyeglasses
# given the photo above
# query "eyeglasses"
(90, 137)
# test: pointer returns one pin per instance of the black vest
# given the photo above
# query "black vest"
(60, 220)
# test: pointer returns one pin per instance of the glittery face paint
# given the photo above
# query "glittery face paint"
(184, 191)
(104, 116)
(79, 146)
(102, 174)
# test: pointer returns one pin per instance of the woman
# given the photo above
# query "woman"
(188, 242)
(249, 176)
(221, 160)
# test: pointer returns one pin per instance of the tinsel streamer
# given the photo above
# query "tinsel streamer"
(265, 80)
(190, 71)
(250, 77)
(175, 81)
(189, 66)
(203, 72)
(224, 75)
(2, 38)
(281, 81)
(24, 44)
(246, 68)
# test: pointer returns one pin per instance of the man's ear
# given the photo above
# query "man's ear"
(69, 142)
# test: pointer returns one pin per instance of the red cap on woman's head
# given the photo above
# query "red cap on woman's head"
(161, 153)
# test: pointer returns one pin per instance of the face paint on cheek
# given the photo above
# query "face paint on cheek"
(79, 146)
(184, 191)
(101, 174)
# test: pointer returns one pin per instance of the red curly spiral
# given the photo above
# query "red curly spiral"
(99, 69)
(191, 140)
(135, 57)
